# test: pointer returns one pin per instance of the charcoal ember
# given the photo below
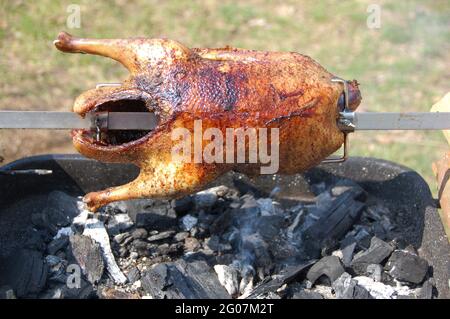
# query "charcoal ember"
(346, 288)
(328, 266)
(161, 236)
(228, 277)
(183, 280)
(207, 199)
(285, 276)
(57, 244)
(188, 222)
(427, 290)
(61, 208)
(306, 294)
(158, 215)
(269, 226)
(257, 247)
(139, 233)
(183, 205)
(56, 268)
(347, 251)
(175, 248)
(298, 291)
(163, 249)
(191, 244)
(87, 254)
(36, 239)
(405, 266)
(223, 221)
(120, 238)
(123, 252)
(337, 216)
(25, 272)
(378, 252)
(180, 236)
(141, 247)
(376, 290)
(133, 275)
(268, 207)
(41, 221)
(112, 293)
(374, 271)
(118, 223)
(363, 237)
(54, 291)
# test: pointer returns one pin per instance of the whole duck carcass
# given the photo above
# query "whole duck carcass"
(226, 88)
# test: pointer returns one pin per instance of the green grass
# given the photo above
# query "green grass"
(403, 66)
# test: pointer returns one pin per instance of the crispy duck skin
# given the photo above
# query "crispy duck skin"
(225, 88)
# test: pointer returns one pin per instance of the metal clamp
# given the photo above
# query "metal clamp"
(99, 124)
(345, 123)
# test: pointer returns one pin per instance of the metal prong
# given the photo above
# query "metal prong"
(100, 124)
(345, 124)
(344, 156)
(101, 85)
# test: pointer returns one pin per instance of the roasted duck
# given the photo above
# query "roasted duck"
(226, 88)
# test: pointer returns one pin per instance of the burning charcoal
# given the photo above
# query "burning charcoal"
(191, 244)
(41, 221)
(97, 231)
(336, 218)
(206, 199)
(363, 238)
(269, 226)
(61, 208)
(329, 266)
(161, 236)
(119, 239)
(163, 249)
(377, 290)
(188, 222)
(111, 293)
(139, 233)
(124, 252)
(346, 288)
(347, 254)
(141, 247)
(305, 294)
(376, 254)
(374, 271)
(133, 275)
(285, 276)
(405, 266)
(181, 236)
(118, 224)
(228, 277)
(181, 279)
(256, 246)
(26, 272)
(297, 290)
(57, 268)
(223, 222)
(57, 244)
(183, 205)
(88, 256)
(146, 213)
(426, 292)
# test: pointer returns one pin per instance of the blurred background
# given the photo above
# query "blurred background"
(399, 51)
